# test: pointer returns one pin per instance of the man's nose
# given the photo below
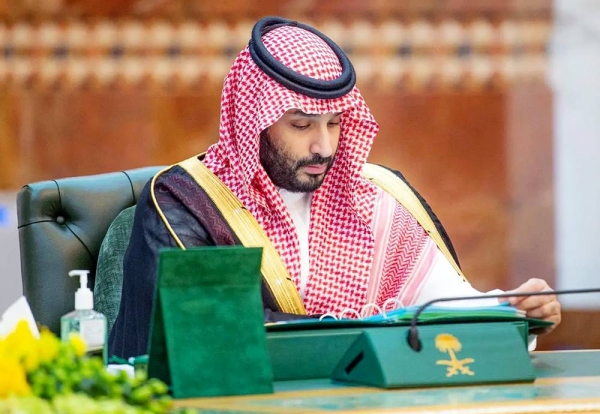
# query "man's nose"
(322, 142)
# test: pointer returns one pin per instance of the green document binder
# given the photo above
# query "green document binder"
(207, 335)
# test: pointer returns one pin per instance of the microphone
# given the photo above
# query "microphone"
(413, 333)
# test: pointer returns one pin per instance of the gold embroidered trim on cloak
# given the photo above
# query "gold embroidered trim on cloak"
(250, 234)
(397, 188)
(159, 210)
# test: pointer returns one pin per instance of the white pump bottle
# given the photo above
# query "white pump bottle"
(84, 320)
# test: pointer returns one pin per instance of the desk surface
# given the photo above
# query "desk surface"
(566, 382)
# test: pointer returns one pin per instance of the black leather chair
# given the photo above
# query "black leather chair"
(61, 226)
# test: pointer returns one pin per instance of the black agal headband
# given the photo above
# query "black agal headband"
(315, 88)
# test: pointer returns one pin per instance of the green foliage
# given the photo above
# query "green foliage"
(45, 375)
(68, 376)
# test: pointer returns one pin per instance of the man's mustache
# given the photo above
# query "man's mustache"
(314, 160)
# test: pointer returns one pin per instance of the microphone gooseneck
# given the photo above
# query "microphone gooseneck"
(413, 332)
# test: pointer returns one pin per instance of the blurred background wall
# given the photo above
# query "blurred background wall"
(472, 110)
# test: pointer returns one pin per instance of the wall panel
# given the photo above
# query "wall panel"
(458, 88)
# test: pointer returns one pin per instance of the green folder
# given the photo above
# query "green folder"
(432, 315)
(207, 333)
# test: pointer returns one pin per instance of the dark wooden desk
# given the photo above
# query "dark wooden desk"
(567, 382)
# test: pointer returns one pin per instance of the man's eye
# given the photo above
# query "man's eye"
(300, 127)
(334, 123)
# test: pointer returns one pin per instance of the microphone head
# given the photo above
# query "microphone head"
(413, 339)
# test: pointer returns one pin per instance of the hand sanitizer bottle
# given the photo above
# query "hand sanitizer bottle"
(84, 320)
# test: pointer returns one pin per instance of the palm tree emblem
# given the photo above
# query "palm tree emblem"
(450, 344)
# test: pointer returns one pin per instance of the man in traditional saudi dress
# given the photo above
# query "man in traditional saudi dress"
(293, 143)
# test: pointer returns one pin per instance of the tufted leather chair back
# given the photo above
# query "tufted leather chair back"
(61, 226)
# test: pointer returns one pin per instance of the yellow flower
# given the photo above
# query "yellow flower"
(21, 345)
(47, 346)
(13, 380)
(77, 344)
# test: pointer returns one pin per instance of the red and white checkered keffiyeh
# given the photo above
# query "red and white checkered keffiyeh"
(341, 237)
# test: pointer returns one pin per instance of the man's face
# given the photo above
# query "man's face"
(298, 149)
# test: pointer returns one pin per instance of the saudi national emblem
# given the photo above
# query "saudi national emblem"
(450, 344)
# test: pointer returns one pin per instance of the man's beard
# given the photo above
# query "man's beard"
(284, 170)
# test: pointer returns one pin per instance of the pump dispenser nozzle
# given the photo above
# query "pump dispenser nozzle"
(84, 298)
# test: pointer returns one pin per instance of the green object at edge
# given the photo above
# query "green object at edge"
(458, 354)
(207, 335)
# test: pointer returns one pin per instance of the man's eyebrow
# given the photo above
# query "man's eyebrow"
(298, 112)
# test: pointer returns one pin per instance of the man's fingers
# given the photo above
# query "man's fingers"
(547, 311)
(555, 318)
(544, 307)
(533, 302)
(532, 285)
